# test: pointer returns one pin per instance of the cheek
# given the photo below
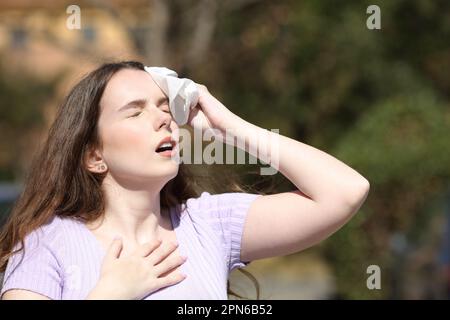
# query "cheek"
(125, 141)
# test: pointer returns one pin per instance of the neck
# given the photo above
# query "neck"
(131, 213)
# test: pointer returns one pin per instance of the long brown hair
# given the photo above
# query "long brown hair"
(58, 184)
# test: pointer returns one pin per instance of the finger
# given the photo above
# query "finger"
(114, 250)
(170, 279)
(172, 262)
(161, 252)
(148, 247)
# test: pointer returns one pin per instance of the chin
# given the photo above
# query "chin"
(170, 170)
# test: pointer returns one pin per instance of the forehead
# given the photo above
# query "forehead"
(127, 85)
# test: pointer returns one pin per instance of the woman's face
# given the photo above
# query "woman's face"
(134, 118)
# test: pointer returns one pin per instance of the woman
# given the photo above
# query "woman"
(102, 211)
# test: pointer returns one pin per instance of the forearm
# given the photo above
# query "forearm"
(317, 174)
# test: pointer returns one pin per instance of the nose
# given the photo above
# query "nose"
(164, 120)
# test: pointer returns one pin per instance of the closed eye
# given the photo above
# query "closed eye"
(165, 108)
(136, 114)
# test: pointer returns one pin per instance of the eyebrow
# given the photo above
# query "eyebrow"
(140, 103)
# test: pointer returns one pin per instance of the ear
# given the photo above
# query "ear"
(93, 160)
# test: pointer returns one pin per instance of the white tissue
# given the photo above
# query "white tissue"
(182, 93)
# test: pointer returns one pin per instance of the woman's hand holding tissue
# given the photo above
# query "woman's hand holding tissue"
(211, 115)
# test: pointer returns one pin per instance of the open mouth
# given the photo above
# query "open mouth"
(166, 146)
(162, 149)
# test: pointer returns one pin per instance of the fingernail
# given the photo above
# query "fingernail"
(117, 237)
(184, 258)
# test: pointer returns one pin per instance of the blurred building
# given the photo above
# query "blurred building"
(36, 43)
(34, 36)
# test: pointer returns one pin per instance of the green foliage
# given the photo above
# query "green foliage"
(375, 99)
(401, 137)
(22, 98)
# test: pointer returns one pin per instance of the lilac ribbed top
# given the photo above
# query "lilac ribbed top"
(63, 258)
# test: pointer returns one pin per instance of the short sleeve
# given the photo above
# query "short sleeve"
(36, 269)
(230, 210)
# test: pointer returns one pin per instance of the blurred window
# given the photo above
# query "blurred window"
(89, 34)
(18, 38)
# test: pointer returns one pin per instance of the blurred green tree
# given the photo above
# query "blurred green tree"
(22, 99)
(376, 99)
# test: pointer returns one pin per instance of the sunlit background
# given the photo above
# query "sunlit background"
(376, 99)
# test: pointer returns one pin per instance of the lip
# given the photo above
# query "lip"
(167, 154)
(167, 139)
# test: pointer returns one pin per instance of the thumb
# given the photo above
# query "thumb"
(114, 250)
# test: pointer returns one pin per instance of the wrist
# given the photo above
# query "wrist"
(233, 124)
(103, 291)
